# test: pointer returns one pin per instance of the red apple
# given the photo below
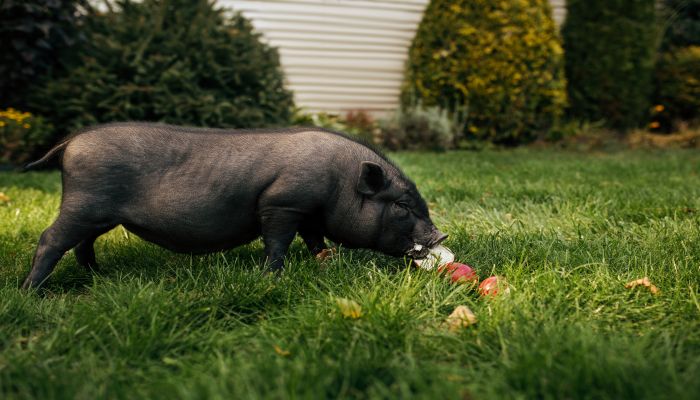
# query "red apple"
(493, 285)
(460, 273)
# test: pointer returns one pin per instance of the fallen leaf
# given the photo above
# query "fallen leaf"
(643, 282)
(169, 361)
(349, 308)
(460, 318)
(324, 254)
(283, 353)
(4, 198)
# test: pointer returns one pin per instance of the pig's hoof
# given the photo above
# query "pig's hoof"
(29, 285)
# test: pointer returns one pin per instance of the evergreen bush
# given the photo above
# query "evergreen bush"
(610, 47)
(34, 34)
(501, 61)
(175, 61)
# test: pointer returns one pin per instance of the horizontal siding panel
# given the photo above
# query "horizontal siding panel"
(376, 110)
(340, 73)
(342, 55)
(345, 90)
(344, 38)
(558, 10)
(409, 5)
(405, 35)
(287, 44)
(311, 20)
(339, 9)
(356, 97)
(367, 65)
(340, 81)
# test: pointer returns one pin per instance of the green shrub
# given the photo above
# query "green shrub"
(609, 47)
(501, 60)
(677, 93)
(420, 128)
(175, 61)
(21, 136)
(34, 34)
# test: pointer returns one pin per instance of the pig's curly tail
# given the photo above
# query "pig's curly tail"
(56, 149)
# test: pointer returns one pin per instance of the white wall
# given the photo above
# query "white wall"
(558, 10)
(341, 55)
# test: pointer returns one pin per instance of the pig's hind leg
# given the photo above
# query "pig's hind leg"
(65, 233)
(85, 251)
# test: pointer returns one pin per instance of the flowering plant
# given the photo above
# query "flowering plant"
(21, 135)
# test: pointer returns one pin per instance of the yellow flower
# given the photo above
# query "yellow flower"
(654, 125)
(26, 126)
(659, 108)
(2, 123)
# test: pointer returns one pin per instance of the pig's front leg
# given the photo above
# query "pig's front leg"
(279, 226)
(311, 231)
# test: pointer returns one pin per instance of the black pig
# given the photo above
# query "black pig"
(199, 190)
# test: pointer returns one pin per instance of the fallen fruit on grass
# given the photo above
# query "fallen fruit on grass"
(493, 285)
(461, 317)
(643, 282)
(460, 273)
(4, 198)
(442, 258)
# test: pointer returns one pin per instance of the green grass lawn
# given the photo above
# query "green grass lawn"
(568, 230)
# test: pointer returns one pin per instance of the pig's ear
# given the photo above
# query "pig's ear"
(372, 178)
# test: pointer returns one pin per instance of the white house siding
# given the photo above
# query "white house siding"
(558, 10)
(341, 55)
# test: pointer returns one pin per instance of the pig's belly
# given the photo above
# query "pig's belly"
(192, 236)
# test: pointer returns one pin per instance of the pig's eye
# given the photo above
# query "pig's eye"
(403, 205)
(401, 209)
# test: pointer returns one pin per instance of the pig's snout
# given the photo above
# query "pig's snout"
(438, 237)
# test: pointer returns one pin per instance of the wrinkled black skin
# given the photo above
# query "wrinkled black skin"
(196, 190)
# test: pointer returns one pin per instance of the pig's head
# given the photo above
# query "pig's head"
(397, 213)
